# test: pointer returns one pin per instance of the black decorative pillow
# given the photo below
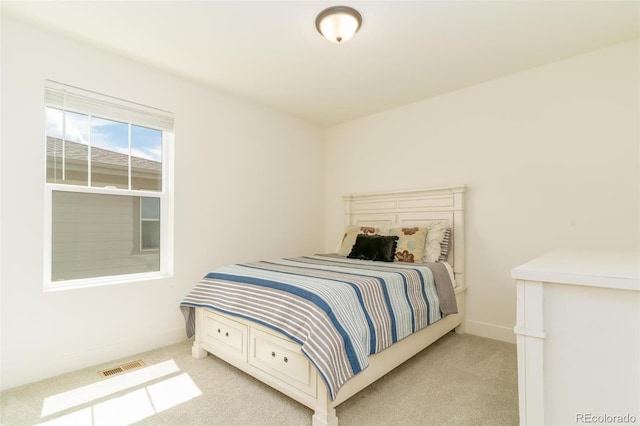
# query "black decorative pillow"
(374, 247)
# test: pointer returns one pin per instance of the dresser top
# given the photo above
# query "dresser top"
(610, 269)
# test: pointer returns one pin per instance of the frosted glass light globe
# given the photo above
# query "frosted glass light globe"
(338, 24)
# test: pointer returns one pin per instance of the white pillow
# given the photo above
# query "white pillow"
(435, 236)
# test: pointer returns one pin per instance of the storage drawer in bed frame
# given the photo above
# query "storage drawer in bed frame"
(225, 337)
(282, 360)
(279, 359)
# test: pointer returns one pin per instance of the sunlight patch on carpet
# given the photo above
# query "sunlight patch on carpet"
(123, 409)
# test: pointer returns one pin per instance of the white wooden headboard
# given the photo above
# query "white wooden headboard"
(412, 208)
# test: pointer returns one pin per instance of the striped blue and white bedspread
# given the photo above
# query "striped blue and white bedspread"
(338, 310)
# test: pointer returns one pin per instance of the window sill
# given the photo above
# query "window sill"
(54, 286)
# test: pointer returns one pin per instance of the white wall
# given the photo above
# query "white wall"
(249, 184)
(550, 157)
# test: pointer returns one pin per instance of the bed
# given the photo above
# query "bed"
(314, 327)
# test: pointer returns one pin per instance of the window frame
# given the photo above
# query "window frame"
(166, 250)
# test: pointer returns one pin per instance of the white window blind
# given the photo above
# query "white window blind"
(71, 98)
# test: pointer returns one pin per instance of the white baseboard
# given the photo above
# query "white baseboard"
(55, 366)
(490, 331)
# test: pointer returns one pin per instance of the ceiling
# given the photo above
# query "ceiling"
(406, 51)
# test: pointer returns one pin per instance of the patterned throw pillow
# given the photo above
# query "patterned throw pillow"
(350, 235)
(411, 243)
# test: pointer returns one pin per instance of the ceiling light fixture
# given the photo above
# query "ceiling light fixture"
(338, 23)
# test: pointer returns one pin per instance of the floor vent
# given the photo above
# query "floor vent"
(121, 368)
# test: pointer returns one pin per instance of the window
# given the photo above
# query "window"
(108, 186)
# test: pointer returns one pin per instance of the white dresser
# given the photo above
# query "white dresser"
(578, 338)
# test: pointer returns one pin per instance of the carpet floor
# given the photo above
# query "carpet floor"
(459, 380)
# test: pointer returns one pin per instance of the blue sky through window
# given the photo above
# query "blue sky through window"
(106, 134)
(110, 135)
(146, 143)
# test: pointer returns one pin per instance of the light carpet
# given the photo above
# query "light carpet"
(459, 380)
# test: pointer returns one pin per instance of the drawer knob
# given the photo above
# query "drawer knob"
(218, 330)
(273, 354)
(286, 359)
(226, 334)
